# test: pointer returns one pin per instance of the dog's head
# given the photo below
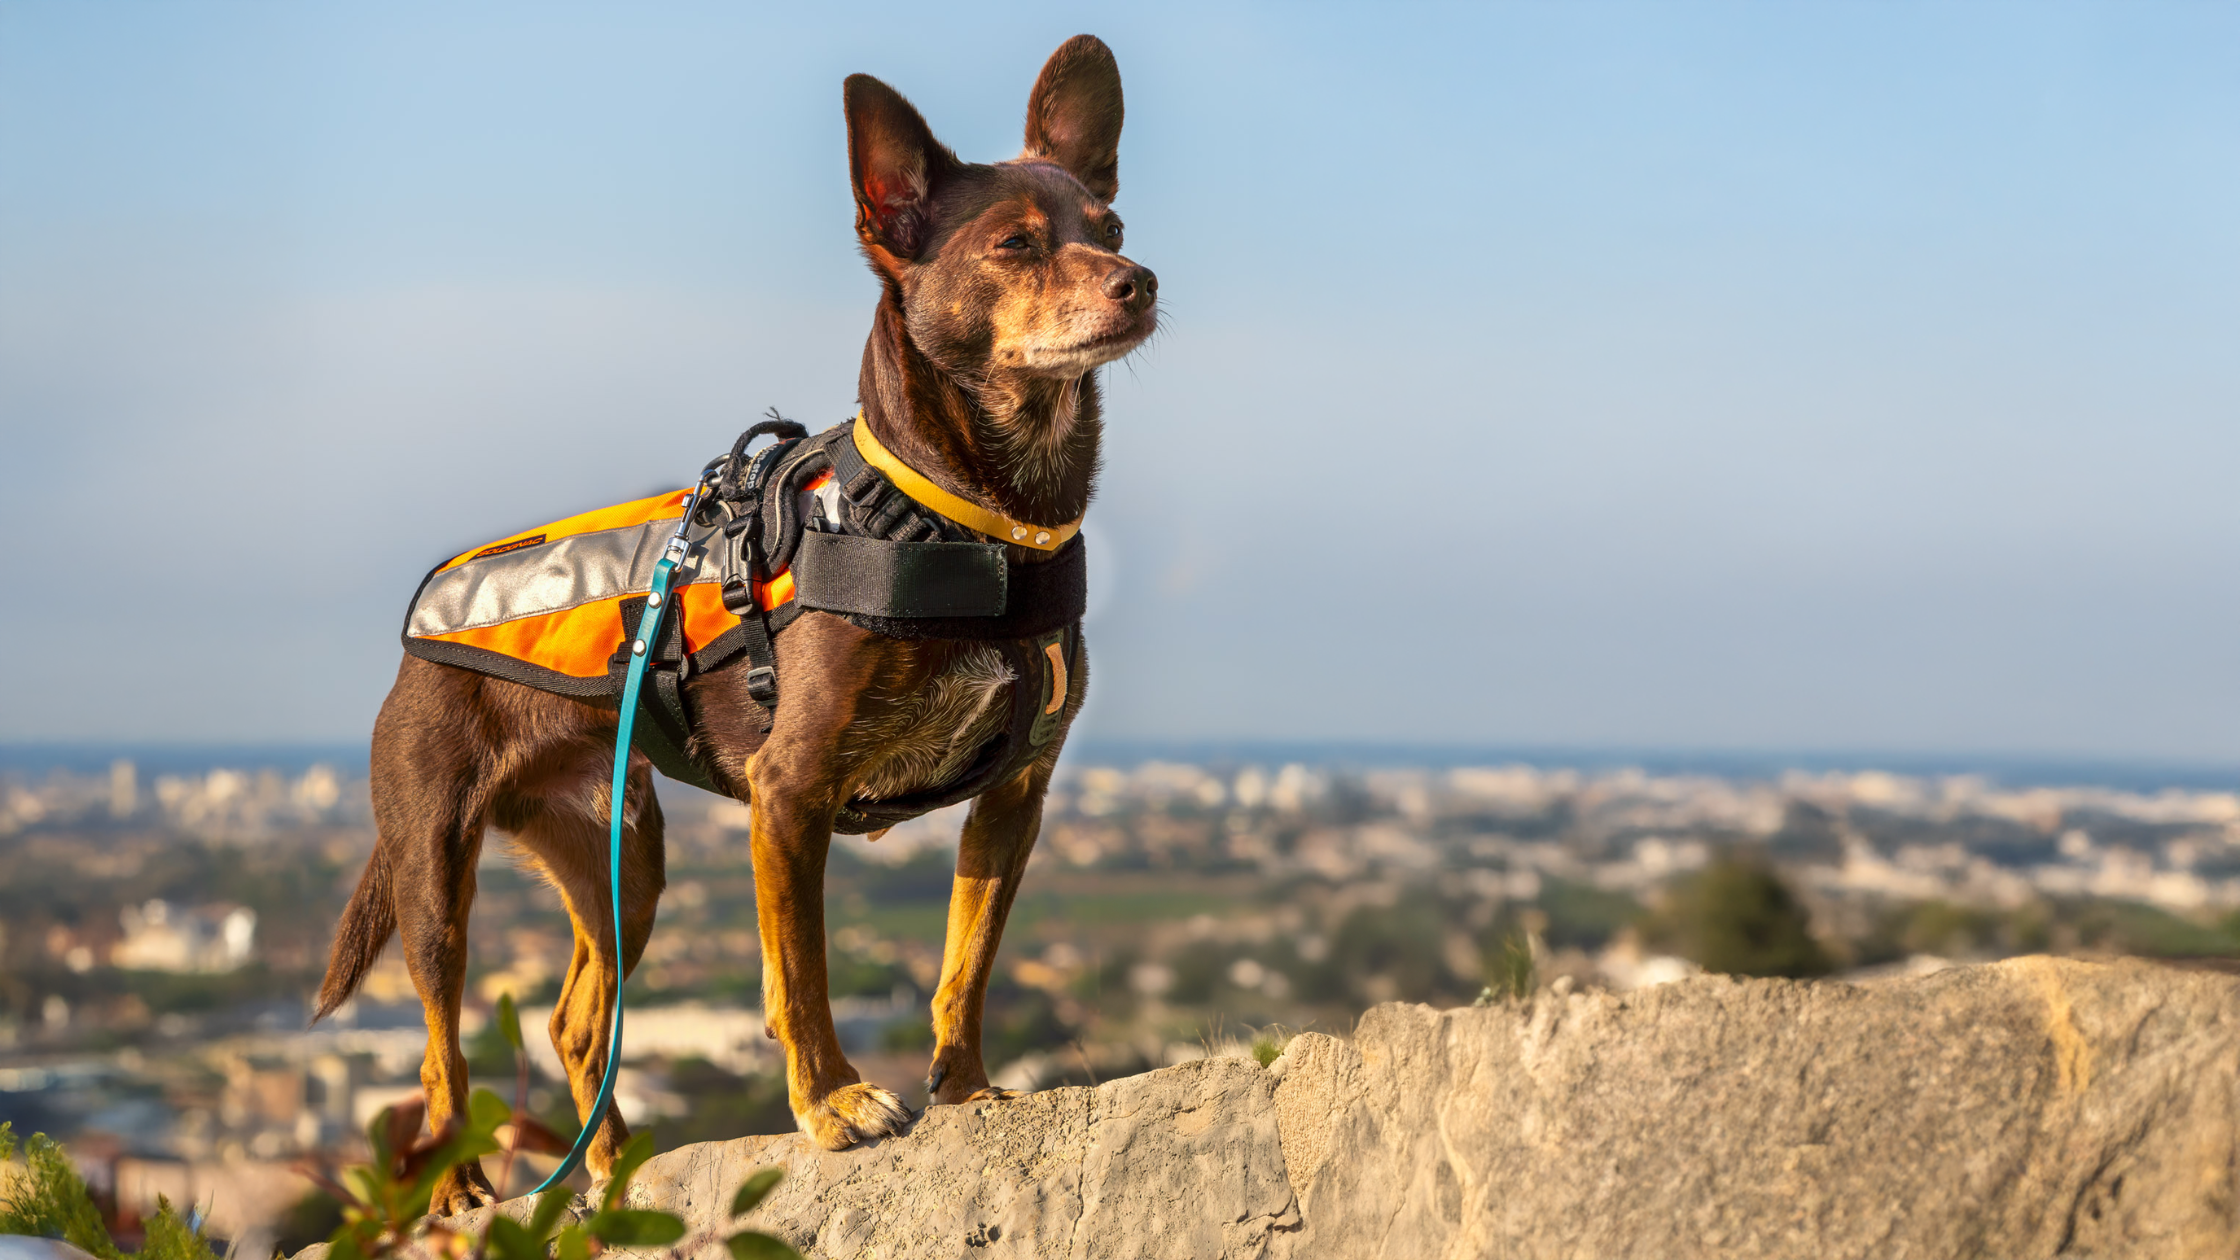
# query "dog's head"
(1012, 269)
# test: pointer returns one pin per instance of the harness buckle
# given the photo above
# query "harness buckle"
(762, 684)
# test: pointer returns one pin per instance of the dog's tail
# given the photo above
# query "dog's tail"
(367, 923)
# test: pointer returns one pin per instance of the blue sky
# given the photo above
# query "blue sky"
(1757, 376)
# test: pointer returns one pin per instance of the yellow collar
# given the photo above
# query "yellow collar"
(963, 511)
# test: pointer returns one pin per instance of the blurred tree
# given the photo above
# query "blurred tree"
(1018, 1021)
(906, 1036)
(1582, 916)
(852, 974)
(310, 1219)
(2122, 927)
(1940, 927)
(1198, 968)
(1398, 952)
(1736, 916)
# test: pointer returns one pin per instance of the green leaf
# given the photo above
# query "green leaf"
(754, 1246)
(550, 1205)
(755, 1189)
(635, 1227)
(638, 1151)
(509, 1020)
(169, 1237)
(469, 1144)
(571, 1245)
(485, 1112)
(363, 1183)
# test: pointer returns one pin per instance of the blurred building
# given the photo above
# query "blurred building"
(159, 936)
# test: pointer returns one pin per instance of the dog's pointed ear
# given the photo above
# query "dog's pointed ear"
(896, 166)
(1074, 114)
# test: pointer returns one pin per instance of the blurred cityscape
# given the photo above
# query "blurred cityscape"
(160, 933)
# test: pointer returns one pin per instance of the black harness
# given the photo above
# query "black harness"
(861, 548)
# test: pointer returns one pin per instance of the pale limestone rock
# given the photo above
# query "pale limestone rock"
(20, 1247)
(2032, 1108)
(1184, 1163)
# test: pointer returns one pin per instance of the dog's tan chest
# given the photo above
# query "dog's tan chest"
(930, 736)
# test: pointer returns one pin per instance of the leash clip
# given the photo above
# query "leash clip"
(674, 552)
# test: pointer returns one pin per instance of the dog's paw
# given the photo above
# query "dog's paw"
(462, 1189)
(957, 1077)
(852, 1114)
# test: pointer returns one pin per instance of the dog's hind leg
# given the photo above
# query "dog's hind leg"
(429, 796)
(571, 848)
(999, 833)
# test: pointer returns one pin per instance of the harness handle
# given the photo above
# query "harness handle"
(776, 426)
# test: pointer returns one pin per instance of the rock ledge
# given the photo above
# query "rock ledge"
(2035, 1107)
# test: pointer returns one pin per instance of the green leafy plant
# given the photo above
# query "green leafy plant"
(50, 1200)
(748, 1244)
(385, 1203)
(1510, 971)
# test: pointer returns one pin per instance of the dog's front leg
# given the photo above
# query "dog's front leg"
(991, 857)
(794, 803)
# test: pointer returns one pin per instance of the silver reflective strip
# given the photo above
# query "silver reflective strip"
(554, 576)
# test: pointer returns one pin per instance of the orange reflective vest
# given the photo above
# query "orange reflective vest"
(545, 606)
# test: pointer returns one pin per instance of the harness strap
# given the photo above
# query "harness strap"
(846, 574)
(1038, 599)
(875, 505)
(762, 656)
(664, 736)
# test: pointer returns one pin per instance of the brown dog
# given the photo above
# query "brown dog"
(1002, 290)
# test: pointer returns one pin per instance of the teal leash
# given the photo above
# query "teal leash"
(641, 648)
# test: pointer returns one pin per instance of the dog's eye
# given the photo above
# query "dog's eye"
(1112, 232)
(1014, 241)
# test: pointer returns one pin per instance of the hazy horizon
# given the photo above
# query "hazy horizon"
(2012, 770)
(1712, 377)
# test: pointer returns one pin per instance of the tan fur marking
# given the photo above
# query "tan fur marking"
(931, 735)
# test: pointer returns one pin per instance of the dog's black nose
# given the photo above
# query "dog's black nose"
(1135, 286)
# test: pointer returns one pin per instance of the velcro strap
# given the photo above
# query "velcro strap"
(846, 574)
